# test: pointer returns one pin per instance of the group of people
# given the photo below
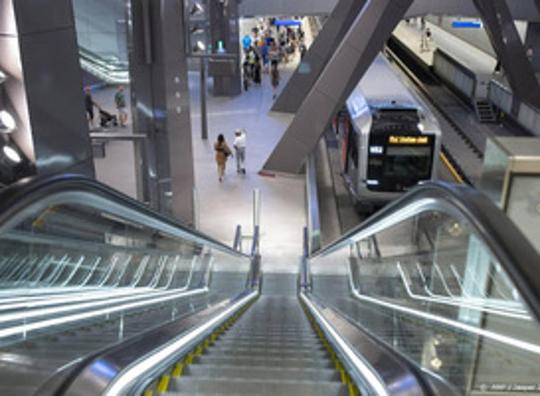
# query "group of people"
(105, 118)
(223, 153)
(265, 49)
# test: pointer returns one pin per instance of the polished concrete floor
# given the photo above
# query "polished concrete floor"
(223, 205)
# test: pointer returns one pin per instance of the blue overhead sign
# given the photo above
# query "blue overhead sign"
(287, 22)
(466, 25)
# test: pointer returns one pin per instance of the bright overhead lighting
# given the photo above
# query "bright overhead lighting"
(201, 46)
(197, 30)
(12, 154)
(196, 8)
(7, 122)
(3, 77)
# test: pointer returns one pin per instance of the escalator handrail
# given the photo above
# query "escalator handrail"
(26, 192)
(505, 241)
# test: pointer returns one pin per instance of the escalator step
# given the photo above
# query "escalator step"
(266, 373)
(263, 361)
(269, 344)
(234, 386)
(267, 352)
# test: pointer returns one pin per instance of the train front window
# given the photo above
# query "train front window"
(404, 161)
(408, 162)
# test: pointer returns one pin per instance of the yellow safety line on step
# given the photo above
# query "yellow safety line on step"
(450, 167)
(179, 368)
(344, 375)
(163, 384)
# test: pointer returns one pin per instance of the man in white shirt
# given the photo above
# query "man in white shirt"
(240, 148)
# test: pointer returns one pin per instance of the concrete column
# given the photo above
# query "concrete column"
(320, 52)
(364, 40)
(39, 53)
(510, 50)
(160, 100)
(224, 28)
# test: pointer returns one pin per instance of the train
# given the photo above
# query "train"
(388, 138)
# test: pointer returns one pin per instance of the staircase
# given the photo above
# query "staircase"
(485, 112)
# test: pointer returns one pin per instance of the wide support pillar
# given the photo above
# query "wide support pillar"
(510, 50)
(364, 40)
(161, 105)
(320, 52)
(224, 30)
(39, 54)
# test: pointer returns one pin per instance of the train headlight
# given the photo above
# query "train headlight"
(421, 127)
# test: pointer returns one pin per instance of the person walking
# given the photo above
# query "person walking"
(424, 40)
(274, 55)
(89, 105)
(240, 150)
(120, 101)
(223, 152)
(274, 76)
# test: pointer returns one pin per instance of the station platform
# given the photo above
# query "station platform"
(477, 61)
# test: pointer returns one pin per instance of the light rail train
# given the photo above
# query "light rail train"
(388, 138)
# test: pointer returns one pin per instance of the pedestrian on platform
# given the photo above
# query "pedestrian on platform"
(246, 42)
(303, 50)
(89, 105)
(120, 101)
(425, 39)
(247, 74)
(274, 55)
(274, 77)
(240, 149)
(223, 152)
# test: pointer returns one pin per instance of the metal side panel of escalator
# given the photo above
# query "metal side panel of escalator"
(84, 269)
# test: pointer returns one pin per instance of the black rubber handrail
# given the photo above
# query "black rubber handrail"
(26, 192)
(502, 237)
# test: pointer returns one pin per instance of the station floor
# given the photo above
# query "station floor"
(223, 205)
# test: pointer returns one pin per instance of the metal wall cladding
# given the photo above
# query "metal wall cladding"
(48, 75)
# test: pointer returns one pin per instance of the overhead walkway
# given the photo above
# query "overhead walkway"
(102, 296)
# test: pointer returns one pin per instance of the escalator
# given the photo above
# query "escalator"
(431, 296)
(271, 349)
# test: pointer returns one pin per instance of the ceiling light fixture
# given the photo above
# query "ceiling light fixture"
(7, 122)
(12, 154)
(196, 9)
(201, 46)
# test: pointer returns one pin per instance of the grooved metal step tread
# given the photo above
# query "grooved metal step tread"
(230, 386)
(266, 352)
(263, 361)
(270, 373)
(269, 338)
(263, 348)
(271, 344)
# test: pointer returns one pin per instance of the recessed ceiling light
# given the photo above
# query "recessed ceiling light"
(7, 122)
(12, 154)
